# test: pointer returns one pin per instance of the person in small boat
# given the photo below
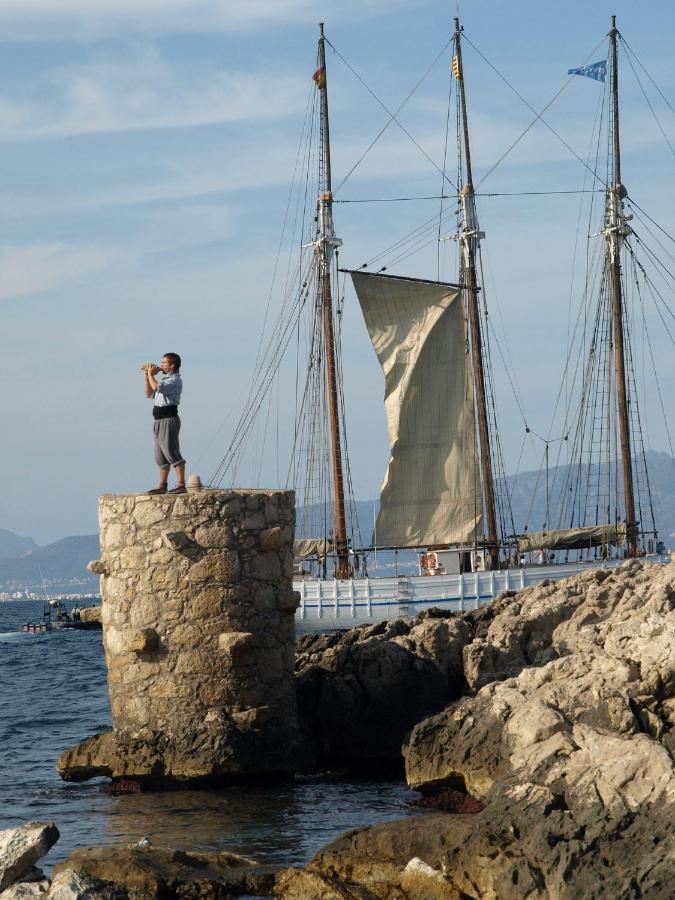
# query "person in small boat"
(166, 391)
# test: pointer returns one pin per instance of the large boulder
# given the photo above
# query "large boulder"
(21, 847)
(33, 883)
(143, 872)
(361, 692)
(526, 843)
(91, 615)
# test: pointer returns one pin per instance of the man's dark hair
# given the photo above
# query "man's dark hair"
(175, 359)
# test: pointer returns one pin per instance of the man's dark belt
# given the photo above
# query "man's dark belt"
(164, 412)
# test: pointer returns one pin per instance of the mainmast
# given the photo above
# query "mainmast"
(469, 241)
(325, 247)
(616, 231)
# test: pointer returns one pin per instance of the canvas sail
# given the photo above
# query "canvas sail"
(430, 494)
(573, 538)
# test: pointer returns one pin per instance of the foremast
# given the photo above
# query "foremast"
(616, 230)
(469, 237)
(326, 245)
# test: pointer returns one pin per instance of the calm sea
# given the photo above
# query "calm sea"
(53, 694)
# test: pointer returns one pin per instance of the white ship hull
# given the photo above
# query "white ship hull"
(338, 605)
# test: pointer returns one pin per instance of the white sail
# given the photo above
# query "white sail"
(431, 490)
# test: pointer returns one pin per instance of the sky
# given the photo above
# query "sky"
(146, 152)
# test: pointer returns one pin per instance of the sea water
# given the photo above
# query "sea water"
(53, 694)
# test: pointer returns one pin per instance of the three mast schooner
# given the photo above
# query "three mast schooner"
(444, 492)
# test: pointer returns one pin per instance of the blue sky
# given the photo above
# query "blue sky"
(146, 150)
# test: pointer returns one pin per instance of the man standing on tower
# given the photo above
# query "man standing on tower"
(166, 391)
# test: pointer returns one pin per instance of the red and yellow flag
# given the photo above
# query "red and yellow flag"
(455, 67)
(320, 77)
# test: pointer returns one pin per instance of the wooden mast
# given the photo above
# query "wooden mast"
(616, 232)
(325, 247)
(469, 238)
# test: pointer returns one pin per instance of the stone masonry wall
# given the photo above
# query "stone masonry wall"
(198, 627)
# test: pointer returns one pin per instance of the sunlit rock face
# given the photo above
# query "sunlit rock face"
(563, 749)
(198, 629)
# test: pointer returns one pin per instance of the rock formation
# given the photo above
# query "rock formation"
(91, 615)
(20, 849)
(568, 742)
(137, 872)
(361, 692)
(144, 872)
(198, 629)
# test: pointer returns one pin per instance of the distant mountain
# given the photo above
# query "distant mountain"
(528, 495)
(61, 565)
(13, 545)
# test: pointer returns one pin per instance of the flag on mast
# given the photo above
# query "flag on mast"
(320, 77)
(596, 70)
(455, 67)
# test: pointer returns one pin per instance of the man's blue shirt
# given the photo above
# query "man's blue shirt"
(168, 390)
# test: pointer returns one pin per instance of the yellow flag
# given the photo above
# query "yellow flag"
(455, 67)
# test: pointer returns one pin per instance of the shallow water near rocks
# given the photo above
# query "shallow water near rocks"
(53, 694)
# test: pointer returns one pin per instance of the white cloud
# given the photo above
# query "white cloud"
(41, 267)
(144, 93)
(50, 19)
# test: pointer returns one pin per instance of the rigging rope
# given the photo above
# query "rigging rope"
(476, 194)
(647, 101)
(538, 115)
(392, 115)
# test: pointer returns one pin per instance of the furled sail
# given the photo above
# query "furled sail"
(573, 538)
(306, 548)
(431, 491)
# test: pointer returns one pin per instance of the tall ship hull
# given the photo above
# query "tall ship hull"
(334, 605)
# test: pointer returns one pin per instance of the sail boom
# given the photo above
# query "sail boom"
(445, 284)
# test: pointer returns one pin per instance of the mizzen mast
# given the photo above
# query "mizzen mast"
(616, 231)
(325, 247)
(469, 241)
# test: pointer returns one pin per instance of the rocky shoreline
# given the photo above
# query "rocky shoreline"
(540, 730)
(566, 737)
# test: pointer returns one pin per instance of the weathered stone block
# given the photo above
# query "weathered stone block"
(214, 536)
(275, 538)
(132, 558)
(147, 514)
(266, 567)
(289, 601)
(145, 611)
(142, 640)
(222, 566)
(254, 522)
(235, 642)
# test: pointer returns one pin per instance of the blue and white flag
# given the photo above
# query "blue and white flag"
(596, 70)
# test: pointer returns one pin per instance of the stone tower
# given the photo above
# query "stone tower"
(198, 630)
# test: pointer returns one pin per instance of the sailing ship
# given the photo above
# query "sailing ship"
(444, 494)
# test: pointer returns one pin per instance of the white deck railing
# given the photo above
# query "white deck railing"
(330, 604)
